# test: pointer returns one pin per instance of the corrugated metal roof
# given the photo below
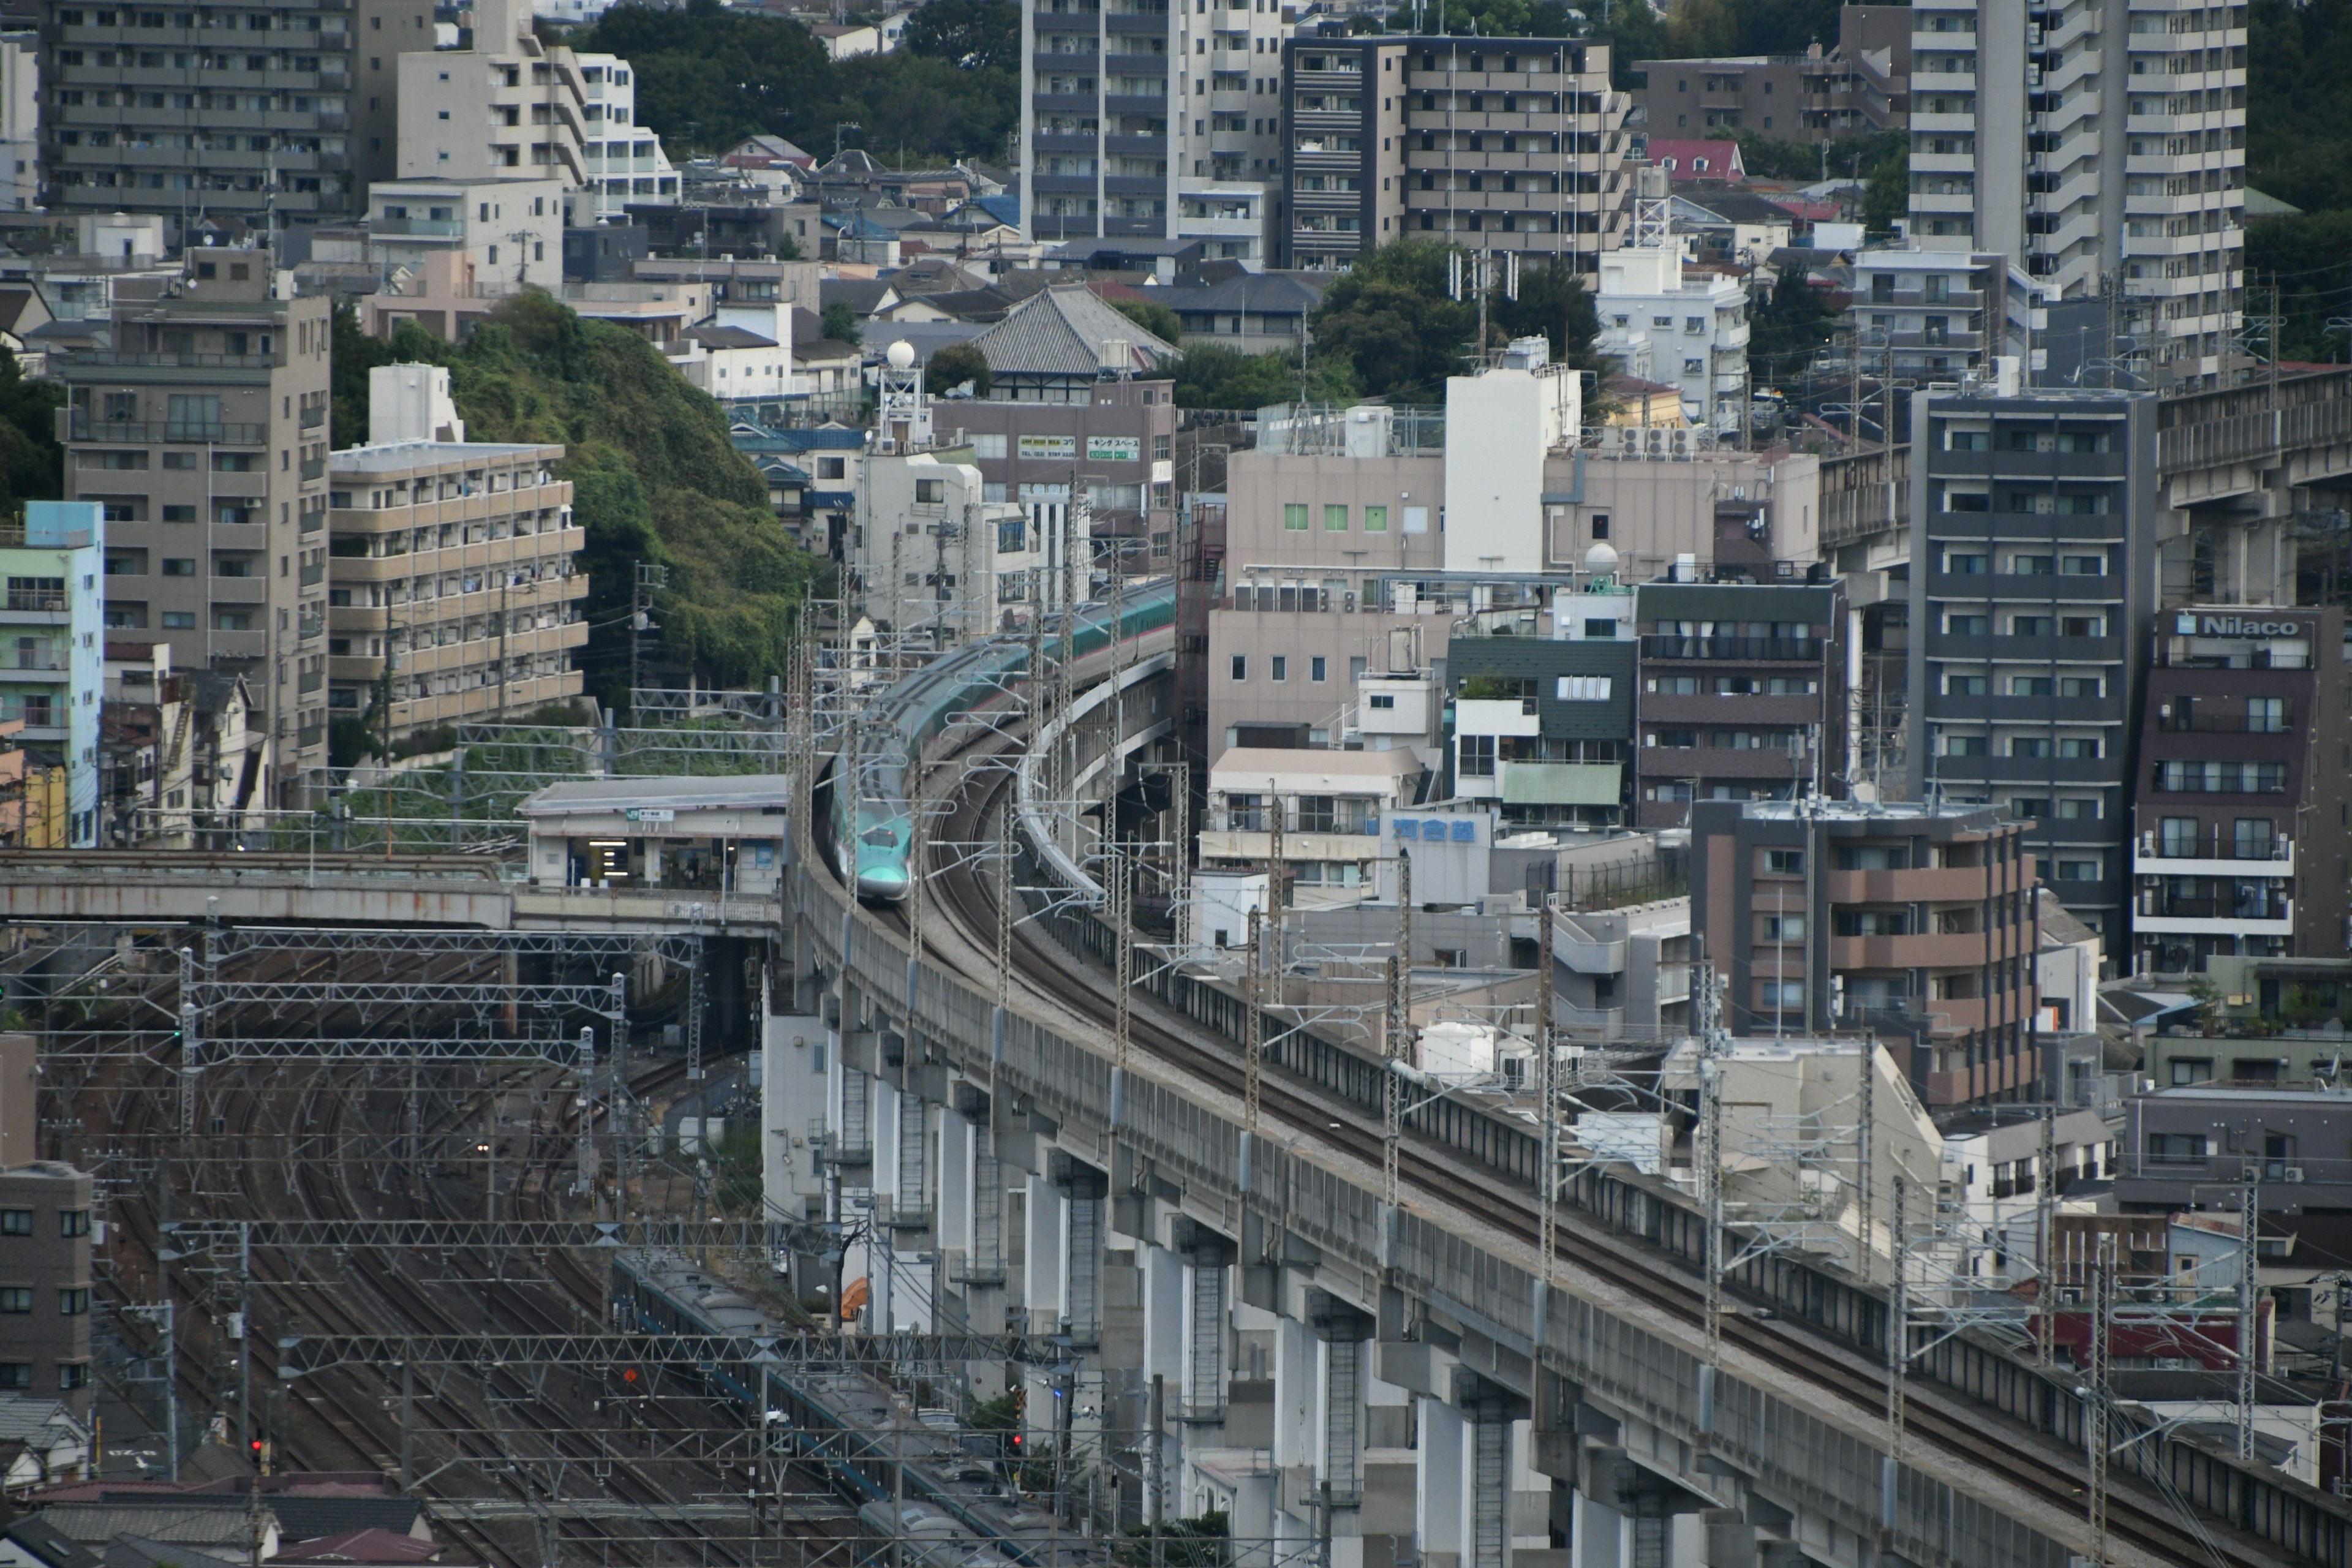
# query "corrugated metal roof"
(1061, 331)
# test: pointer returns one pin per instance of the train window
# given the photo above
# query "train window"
(878, 838)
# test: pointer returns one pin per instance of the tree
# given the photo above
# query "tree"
(32, 464)
(1153, 317)
(1552, 304)
(1787, 329)
(1632, 32)
(970, 35)
(839, 322)
(1390, 318)
(355, 354)
(2310, 255)
(2299, 112)
(1211, 376)
(708, 77)
(955, 365)
(1886, 192)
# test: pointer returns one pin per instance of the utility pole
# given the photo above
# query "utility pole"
(1899, 1363)
(649, 580)
(1252, 1022)
(2249, 1286)
(1548, 1105)
(1400, 1031)
(2045, 1239)
(2096, 1412)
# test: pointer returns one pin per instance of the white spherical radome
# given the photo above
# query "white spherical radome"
(901, 355)
(1602, 559)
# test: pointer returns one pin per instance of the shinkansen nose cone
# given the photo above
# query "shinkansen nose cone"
(885, 883)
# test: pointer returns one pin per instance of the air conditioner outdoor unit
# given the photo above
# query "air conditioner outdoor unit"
(2292, 1174)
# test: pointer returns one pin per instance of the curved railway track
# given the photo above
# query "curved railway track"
(2032, 1462)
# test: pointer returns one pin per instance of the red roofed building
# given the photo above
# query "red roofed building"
(1690, 162)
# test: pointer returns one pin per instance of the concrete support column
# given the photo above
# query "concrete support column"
(1597, 1536)
(1440, 1520)
(952, 1160)
(1046, 1245)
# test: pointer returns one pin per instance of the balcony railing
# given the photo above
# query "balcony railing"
(76, 426)
(1666, 645)
(2280, 724)
(2152, 847)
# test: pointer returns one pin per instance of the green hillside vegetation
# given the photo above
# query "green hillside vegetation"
(653, 477)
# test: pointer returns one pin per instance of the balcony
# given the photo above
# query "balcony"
(2152, 858)
(421, 227)
(1789, 650)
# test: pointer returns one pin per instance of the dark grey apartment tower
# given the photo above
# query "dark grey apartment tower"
(2033, 583)
(259, 115)
(1505, 144)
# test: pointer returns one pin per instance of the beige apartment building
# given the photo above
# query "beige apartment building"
(203, 431)
(514, 108)
(1338, 566)
(461, 557)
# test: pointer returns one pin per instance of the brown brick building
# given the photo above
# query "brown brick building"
(1916, 921)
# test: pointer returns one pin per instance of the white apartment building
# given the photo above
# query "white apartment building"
(511, 230)
(1151, 122)
(931, 558)
(1930, 315)
(2095, 145)
(20, 121)
(1686, 330)
(513, 108)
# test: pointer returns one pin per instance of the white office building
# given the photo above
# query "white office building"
(2099, 146)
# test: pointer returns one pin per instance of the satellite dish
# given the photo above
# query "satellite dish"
(901, 355)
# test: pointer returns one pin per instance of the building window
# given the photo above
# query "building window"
(1584, 687)
(1294, 517)
(15, 1374)
(72, 1375)
(74, 1300)
(1279, 668)
(2190, 1070)
(16, 1222)
(1376, 519)
(16, 1297)
(1784, 862)
(1335, 518)
(73, 1222)
(1477, 756)
(2176, 1148)
(1317, 668)
(2078, 870)
(1241, 667)
(1779, 993)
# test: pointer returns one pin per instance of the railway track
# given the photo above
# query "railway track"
(350, 1419)
(2034, 1464)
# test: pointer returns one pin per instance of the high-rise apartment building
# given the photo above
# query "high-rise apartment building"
(268, 115)
(202, 432)
(514, 108)
(1508, 145)
(2103, 147)
(2033, 583)
(1144, 119)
